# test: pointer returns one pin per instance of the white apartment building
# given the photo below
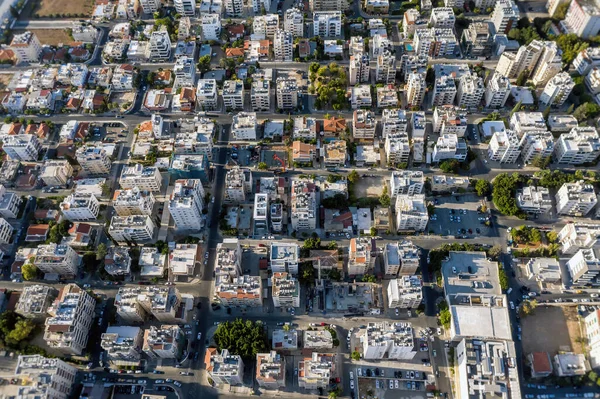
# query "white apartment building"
(135, 228)
(35, 300)
(363, 124)
(387, 97)
(586, 60)
(224, 368)
(241, 292)
(233, 94)
(391, 259)
(61, 260)
(536, 145)
(54, 379)
(359, 256)
(123, 345)
(534, 200)
(183, 259)
(185, 7)
(522, 122)
(592, 329)
(93, 160)
(411, 212)
(592, 81)
(447, 184)
(238, 183)
(549, 64)
(259, 5)
(26, 47)
(317, 339)
(584, 267)
(229, 258)
(379, 44)
(152, 263)
(9, 204)
(304, 128)
(435, 42)
(505, 16)
(559, 124)
(327, 5)
(470, 91)
(327, 23)
(304, 204)
(410, 63)
(22, 147)
(449, 119)
(287, 93)
(265, 26)
(557, 89)
(397, 148)
(415, 89)
(504, 147)
(234, 8)
(56, 172)
(117, 261)
(146, 178)
(385, 69)
(160, 45)
(394, 341)
(244, 126)
(207, 95)
(360, 96)
(285, 290)
(211, 26)
(165, 342)
(185, 73)
(526, 58)
(582, 18)
(580, 146)
(134, 304)
(409, 182)
(576, 199)
(133, 201)
(68, 328)
(393, 121)
(260, 214)
(80, 207)
(576, 236)
(270, 370)
(359, 68)
(497, 91)
(405, 292)
(283, 46)
(317, 370)
(293, 22)
(442, 17)
(444, 90)
(449, 146)
(6, 231)
(410, 258)
(150, 6)
(186, 204)
(260, 95)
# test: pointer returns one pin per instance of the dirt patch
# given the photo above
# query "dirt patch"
(5, 79)
(551, 329)
(124, 100)
(51, 37)
(65, 8)
(368, 187)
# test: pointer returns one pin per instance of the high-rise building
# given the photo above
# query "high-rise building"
(449, 146)
(234, 8)
(304, 205)
(497, 91)
(557, 90)
(150, 6)
(283, 46)
(505, 16)
(160, 45)
(415, 89)
(39, 377)
(260, 95)
(265, 26)
(93, 159)
(327, 23)
(26, 47)
(145, 178)
(549, 63)
(133, 201)
(449, 119)
(211, 26)
(328, 5)
(185, 7)
(576, 199)
(586, 60)
(444, 90)
(405, 292)
(582, 18)
(359, 68)
(581, 145)
(233, 94)
(385, 70)
(185, 73)
(293, 22)
(186, 204)
(80, 207)
(411, 212)
(470, 91)
(57, 259)
(287, 93)
(504, 146)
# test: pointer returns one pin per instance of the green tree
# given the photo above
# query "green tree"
(353, 176)
(369, 278)
(586, 111)
(482, 187)
(450, 166)
(571, 45)
(22, 330)
(503, 194)
(528, 308)
(561, 11)
(204, 63)
(445, 318)
(29, 271)
(355, 355)
(494, 252)
(373, 231)
(262, 166)
(503, 278)
(384, 198)
(101, 251)
(552, 236)
(241, 337)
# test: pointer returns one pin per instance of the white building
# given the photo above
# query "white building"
(504, 147)
(317, 339)
(9, 204)
(304, 128)
(522, 122)
(123, 345)
(359, 69)
(576, 199)
(54, 379)
(317, 370)
(293, 22)
(283, 46)
(238, 183)
(287, 93)
(444, 90)
(146, 178)
(260, 95)
(94, 160)
(580, 146)
(185, 73)
(576, 236)
(133, 201)
(150, 6)
(60, 260)
(185, 7)
(72, 314)
(244, 126)
(449, 146)
(391, 259)
(35, 300)
(497, 91)
(211, 26)
(559, 124)
(285, 290)
(224, 368)
(284, 257)
(505, 16)
(549, 64)
(586, 60)
(592, 330)
(363, 125)
(385, 69)
(26, 47)
(186, 204)
(584, 267)
(470, 91)
(397, 148)
(411, 212)
(234, 8)
(582, 19)
(405, 292)
(259, 5)
(183, 259)
(207, 95)
(327, 23)
(6, 231)
(360, 96)
(393, 121)
(160, 45)
(270, 370)
(435, 42)
(56, 172)
(415, 89)
(165, 342)
(557, 89)
(304, 205)
(359, 256)
(449, 119)
(265, 26)
(442, 17)
(241, 291)
(394, 341)
(409, 182)
(135, 228)
(233, 94)
(22, 147)
(534, 200)
(165, 304)
(387, 97)
(80, 207)
(152, 263)
(536, 145)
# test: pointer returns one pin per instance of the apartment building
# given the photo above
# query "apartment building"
(304, 205)
(133, 201)
(80, 207)
(363, 125)
(449, 119)
(327, 23)
(504, 147)
(411, 212)
(265, 26)
(406, 182)
(285, 290)
(56, 259)
(293, 22)
(584, 267)
(393, 121)
(22, 147)
(117, 261)
(68, 328)
(359, 68)
(394, 341)
(123, 345)
(260, 95)
(211, 26)
(385, 69)
(580, 146)
(287, 93)
(9, 204)
(410, 259)
(165, 304)
(284, 257)
(93, 160)
(164, 342)
(6, 231)
(587, 60)
(39, 377)
(260, 214)
(234, 8)
(559, 124)
(582, 18)
(410, 63)
(360, 96)
(270, 370)
(442, 17)
(34, 301)
(26, 47)
(224, 368)
(207, 95)
(229, 257)
(359, 256)
(549, 63)
(185, 73)
(238, 183)
(283, 46)
(185, 7)
(497, 91)
(241, 292)
(327, 5)
(470, 91)
(391, 259)
(477, 40)
(233, 94)
(261, 6)
(56, 172)
(444, 90)
(397, 148)
(334, 153)
(244, 126)
(449, 146)
(317, 370)
(435, 42)
(387, 97)
(415, 89)
(146, 178)
(405, 292)
(576, 199)
(160, 45)
(534, 200)
(304, 128)
(183, 259)
(448, 184)
(576, 236)
(134, 228)
(592, 329)
(186, 204)
(276, 217)
(557, 90)
(536, 145)
(150, 6)
(505, 16)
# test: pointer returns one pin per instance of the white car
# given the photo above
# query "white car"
(396, 384)
(177, 384)
(391, 384)
(512, 305)
(397, 312)
(351, 375)
(351, 384)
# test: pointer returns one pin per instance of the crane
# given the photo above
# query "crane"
(278, 159)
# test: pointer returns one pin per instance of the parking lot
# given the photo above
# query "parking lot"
(458, 216)
(111, 132)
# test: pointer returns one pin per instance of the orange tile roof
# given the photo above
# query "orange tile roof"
(234, 52)
(334, 124)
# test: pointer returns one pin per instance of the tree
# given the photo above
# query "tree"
(373, 231)
(204, 63)
(561, 11)
(552, 236)
(482, 187)
(445, 318)
(503, 278)
(503, 194)
(262, 166)
(528, 308)
(494, 252)
(355, 356)
(571, 45)
(369, 278)
(450, 165)
(586, 111)
(241, 337)
(101, 251)
(29, 271)
(23, 328)
(353, 176)
(384, 198)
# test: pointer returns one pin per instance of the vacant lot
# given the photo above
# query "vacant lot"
(5, 80)
(51, 37)
(73, 8)
(368, 187)
(551, 329)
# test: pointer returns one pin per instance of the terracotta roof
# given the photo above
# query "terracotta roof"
(82, 130)
(80, 228)
(78, 52)
(6, 55)
(302, 150)
(13, 299)
(234, 52)
(334, 124)
(15, 128)
(264, 47)
(164, 75)
(236, 29)
(73, 103)
(188, 93)
(146, 126)
(210, 352)
(541, 362)
(37, 230)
